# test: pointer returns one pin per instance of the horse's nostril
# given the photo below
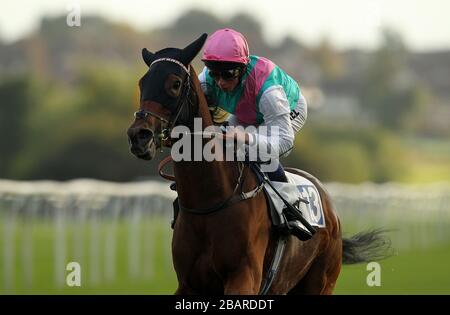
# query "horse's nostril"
(144, 134)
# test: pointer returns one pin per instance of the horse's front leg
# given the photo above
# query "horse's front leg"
(245, 281)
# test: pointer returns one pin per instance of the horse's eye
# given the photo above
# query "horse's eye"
(176, 85)
(173, 85)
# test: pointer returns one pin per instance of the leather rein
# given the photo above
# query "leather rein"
(230, 200)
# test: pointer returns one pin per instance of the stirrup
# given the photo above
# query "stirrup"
(297, 229)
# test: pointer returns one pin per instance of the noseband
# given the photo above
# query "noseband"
(183, 99)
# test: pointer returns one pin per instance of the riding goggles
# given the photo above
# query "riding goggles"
(226, 75)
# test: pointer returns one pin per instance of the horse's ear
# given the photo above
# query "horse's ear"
(147, 56)
(190, 51)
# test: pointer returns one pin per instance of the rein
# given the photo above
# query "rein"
(232, 199)
(161, 165)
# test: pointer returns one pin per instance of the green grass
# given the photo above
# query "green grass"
(413, 271)
(155, 277)
(424, 271)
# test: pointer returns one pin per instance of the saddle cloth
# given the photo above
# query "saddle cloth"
(297, 187)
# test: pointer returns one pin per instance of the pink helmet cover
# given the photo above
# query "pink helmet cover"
(226, 45)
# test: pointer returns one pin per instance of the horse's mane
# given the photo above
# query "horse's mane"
(202, 103)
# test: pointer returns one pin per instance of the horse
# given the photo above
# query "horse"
(226, 247)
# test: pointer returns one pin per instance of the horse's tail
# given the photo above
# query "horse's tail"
(366, 246)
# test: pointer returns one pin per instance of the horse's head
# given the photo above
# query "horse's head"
(165, 98)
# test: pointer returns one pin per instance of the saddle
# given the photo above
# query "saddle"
(294, 203)
(295, 191)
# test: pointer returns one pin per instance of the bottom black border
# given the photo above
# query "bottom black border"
(163, 304)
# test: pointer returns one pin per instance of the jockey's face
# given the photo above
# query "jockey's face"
(227, 85)
(226, 79)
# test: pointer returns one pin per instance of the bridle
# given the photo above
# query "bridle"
(183, 100)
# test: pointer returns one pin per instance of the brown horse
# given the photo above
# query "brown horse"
(228, 251)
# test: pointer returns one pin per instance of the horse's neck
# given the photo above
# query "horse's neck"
(203, 111)
(201, 181)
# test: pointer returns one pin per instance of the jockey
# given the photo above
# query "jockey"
(254, 91)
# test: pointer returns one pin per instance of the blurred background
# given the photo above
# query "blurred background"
(376, 75)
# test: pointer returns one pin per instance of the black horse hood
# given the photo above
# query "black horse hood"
(152, 83)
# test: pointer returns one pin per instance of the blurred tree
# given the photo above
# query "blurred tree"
(18, 101)
(251, 29)
(78, 131)
(341, 153)
(189, 26)
(391, 93)
(329, 60)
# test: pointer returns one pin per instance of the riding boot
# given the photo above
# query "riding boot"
(299, 230)
(294, 225)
